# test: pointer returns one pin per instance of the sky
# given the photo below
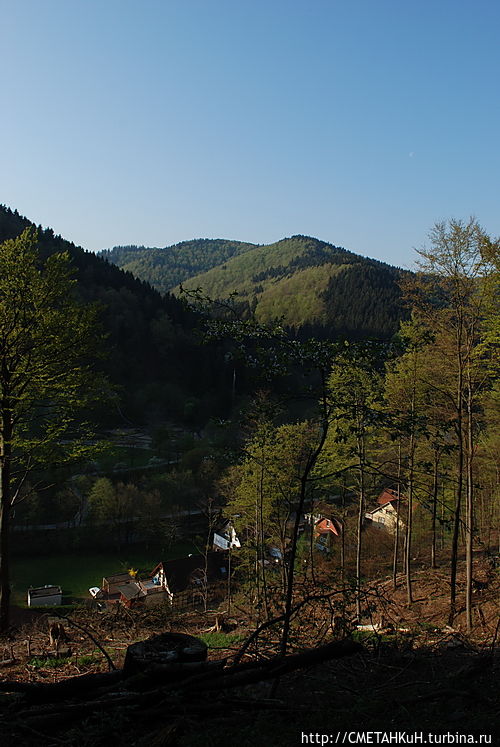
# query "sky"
(151, 122)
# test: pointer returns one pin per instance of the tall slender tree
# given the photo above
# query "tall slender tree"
(355, 411)
(47, 343)
(405, 393)
(450, 297)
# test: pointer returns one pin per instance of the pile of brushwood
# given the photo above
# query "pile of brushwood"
(404, 671)
(169, 693)
(163, 679)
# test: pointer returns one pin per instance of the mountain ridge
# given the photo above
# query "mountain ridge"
(303, 280)
(167, 267)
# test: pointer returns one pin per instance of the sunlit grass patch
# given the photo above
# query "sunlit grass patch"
(221, 640)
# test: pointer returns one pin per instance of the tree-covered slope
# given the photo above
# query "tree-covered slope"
(310, 283)
(154, 358)
(168, 267)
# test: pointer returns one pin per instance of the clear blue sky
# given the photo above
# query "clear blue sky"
(156, 121)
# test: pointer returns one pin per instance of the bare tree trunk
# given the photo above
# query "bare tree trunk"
(229, 581)
(211, 519)
(435, 488)
(361, 515)
(311, 545)
(310, 464)
(261, 536)
(5, 508)
(342, 540)
(291, 561)
(411, 477)
(458, 502)
(257, 564)
(469, 520)
(443, 514)
(409, 519)
(396, 533)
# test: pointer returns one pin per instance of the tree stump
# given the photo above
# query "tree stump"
(167, 648)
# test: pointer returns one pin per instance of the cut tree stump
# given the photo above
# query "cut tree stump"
(167, 648)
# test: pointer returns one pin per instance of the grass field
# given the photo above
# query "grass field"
(77, 573)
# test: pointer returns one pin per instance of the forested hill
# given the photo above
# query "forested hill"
(168, 267)
(154, 358)
(311, 284)
(315, 286)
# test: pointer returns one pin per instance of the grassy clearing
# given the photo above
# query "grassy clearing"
(38, 662)
(221, 640)
(77, 573)
(41, 662)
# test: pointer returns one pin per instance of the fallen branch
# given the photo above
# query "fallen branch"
(92, 638)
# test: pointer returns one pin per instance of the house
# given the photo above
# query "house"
(387, 496)
(125, 589)
(165, 582)
(387, 515)
(325, 531)
(45, 596)
(225, 538)
(194, 572)
(328, 526)
(324, 526)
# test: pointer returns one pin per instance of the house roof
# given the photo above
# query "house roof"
(180, 572)
(131, 590)
(116, 578)
(388, 495)
(329, 525)
(223, 526)
(44, 591)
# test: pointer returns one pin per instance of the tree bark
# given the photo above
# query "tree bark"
(469, 512)
(311, 462)
(5, 508)
(396, 533)
(409, 520)
(435, 487)
(458, 502)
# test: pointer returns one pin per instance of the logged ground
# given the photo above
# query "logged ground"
(415, 674)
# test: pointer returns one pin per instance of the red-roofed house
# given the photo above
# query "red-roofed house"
(388, 513)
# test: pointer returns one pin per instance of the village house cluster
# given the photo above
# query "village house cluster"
(186, 580)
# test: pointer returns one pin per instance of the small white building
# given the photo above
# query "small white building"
(225, 538)
(45, 596)
(385, 517)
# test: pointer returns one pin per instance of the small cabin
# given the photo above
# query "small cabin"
(129, 591)
(164, 583)
(45, 596)
(193, 571)
(225, 538)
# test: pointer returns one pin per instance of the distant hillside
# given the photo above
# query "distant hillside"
(154, 358)
(310, 283)
(166, 268)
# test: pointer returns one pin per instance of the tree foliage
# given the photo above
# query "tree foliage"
(48, 341)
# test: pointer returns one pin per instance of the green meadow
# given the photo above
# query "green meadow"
(76, 573)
